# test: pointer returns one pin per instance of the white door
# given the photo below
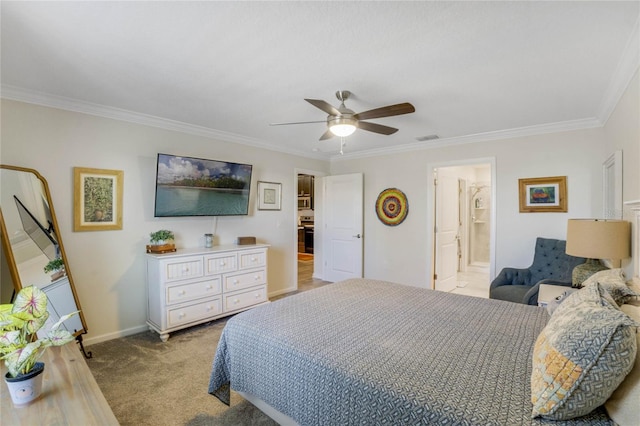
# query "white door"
(342, 207)
(446, 232)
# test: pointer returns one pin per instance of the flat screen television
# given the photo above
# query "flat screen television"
(43, 237)
(187, 186)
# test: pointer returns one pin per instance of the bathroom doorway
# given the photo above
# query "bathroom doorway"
(463, 220)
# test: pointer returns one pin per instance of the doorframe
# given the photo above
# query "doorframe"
(317, 214)
(431, 167)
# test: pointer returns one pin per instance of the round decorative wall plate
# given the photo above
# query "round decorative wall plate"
(392, 206)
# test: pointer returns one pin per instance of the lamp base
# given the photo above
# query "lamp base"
(582, 272)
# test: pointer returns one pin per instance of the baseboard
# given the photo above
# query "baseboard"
(279, 292)
(115, 335)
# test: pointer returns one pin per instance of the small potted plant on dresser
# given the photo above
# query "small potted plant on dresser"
(20, 347)
(161, 242)
(57, 267)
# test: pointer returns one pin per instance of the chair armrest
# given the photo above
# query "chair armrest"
(511, 276)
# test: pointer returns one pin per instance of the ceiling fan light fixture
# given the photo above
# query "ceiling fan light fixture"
(343, 127)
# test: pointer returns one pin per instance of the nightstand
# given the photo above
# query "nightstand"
(548, 292)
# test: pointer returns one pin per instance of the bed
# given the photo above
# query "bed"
(372, 352)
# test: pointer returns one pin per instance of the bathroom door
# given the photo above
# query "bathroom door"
(447, 227)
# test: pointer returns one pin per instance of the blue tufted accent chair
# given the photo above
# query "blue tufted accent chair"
(551, 265)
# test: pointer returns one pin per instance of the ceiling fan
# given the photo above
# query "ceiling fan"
(343, 122)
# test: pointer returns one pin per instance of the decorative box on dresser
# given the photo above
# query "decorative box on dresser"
(192, 286)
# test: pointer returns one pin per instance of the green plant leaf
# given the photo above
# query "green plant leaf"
(31, 300)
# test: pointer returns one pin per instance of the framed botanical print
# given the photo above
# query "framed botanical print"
(269, 196)
(97, 201)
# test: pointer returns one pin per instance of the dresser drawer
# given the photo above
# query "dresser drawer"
(246, 280)
(253, 259)
(182, 269)
(221, 263)
(191, 313)
(198, 290)
(243, 299)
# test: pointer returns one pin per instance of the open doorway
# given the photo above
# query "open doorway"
(306, 227)
(464, 227)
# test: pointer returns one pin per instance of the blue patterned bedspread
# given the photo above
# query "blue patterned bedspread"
(363, 352)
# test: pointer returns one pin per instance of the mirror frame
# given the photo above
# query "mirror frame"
(8, 251)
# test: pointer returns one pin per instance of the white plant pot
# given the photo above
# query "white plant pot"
(26, 388)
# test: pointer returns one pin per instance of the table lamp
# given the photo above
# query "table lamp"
(596, 239)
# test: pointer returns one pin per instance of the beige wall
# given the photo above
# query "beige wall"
(109, 266)
(403, 253)
(622, 132)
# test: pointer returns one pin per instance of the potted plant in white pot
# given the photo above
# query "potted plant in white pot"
(57, 267)
(161, 242)
(20, 348)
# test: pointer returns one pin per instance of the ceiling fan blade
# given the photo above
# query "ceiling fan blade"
(325, 106)
(377, 128)
(387, 111)
(297, 122)
(326, 135)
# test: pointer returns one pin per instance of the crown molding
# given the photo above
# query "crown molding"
(625, 70)
(38, 98)
(53, 101)
(564, 126)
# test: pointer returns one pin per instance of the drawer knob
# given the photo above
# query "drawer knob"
(257, 295)
(253, 259)
(209, 308)
(222, 263)
(236, 281)
(236, 301)
(209, 287)
(257, 277)
(183, 292)
(182, 315)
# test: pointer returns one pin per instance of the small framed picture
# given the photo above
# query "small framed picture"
(547, 194)
(97, 200)
(269, 196)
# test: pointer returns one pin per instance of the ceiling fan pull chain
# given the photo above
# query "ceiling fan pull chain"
(342, 144)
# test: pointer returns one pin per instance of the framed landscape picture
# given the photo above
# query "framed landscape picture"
(548, 194)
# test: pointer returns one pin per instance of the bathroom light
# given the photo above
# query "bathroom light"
(342, 126)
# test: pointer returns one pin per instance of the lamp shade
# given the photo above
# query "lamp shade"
(599, 238)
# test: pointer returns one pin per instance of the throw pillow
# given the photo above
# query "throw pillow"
(623, 404)
(581, 356)
(613, 281)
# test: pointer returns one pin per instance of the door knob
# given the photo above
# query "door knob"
(357, 236)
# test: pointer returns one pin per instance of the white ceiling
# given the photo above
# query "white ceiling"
(472, 70)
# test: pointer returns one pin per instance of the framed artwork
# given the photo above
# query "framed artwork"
(269, 196)
(548, 194)
(392, 207)
(612, 186)
(97, 200)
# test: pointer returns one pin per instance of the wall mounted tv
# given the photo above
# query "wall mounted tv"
(187, 186)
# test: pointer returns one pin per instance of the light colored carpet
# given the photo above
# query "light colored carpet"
(147, 382)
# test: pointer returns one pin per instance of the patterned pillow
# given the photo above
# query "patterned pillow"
(581, 356)
(613, 281)
(622, 407)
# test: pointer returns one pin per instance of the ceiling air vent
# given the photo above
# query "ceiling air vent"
(427, 138)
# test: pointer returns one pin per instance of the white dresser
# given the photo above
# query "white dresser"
(192, 286)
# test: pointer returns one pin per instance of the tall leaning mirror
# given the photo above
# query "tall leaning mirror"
(32, 250)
